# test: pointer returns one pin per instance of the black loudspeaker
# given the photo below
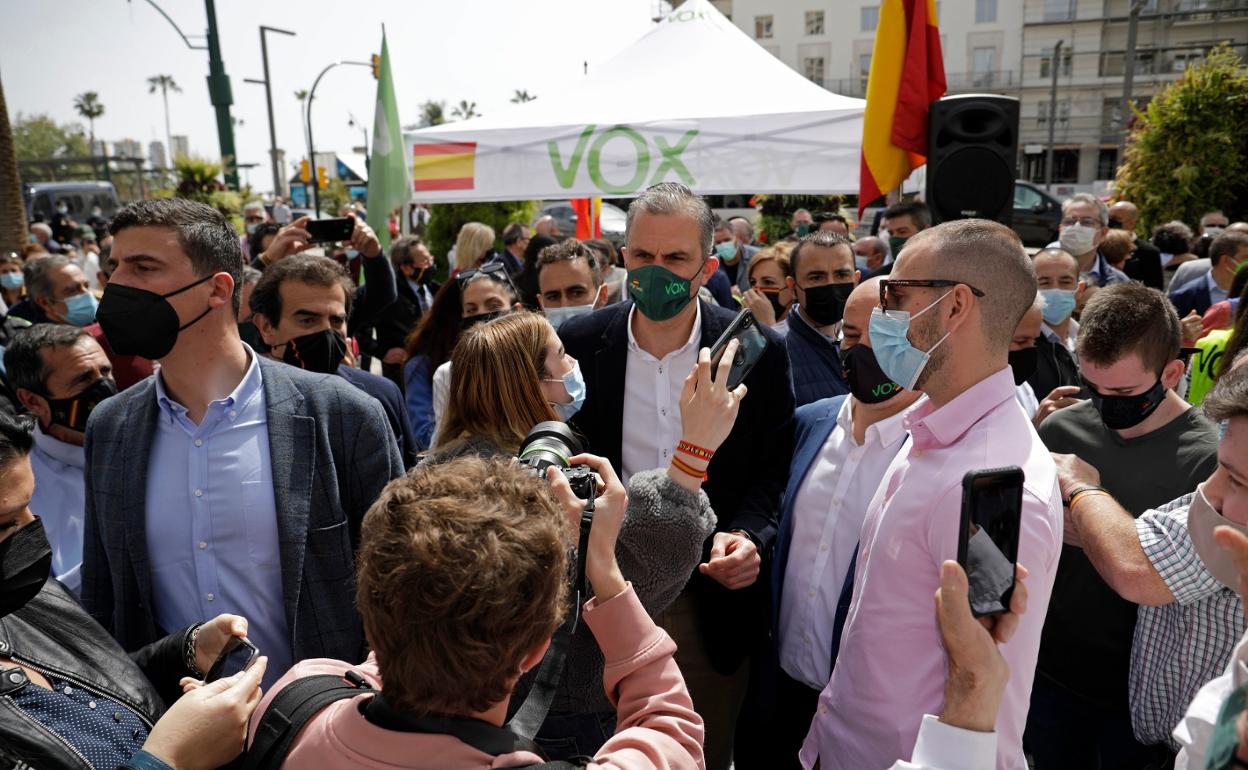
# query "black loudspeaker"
(972, 146)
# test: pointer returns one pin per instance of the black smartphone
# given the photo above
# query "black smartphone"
(331, 230)
(992, 504)
(237, 655)
(752, 343)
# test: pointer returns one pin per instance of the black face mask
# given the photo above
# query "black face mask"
(825, 305)
(473, 320)
(773, 296)
(867, 381)
(142, 323)
(320, 352)
(25, 564)
(1023, 363)
(1123, 412)
(73, 412)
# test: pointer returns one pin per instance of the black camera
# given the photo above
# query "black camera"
(552, 443)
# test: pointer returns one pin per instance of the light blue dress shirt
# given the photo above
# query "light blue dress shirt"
(212, 522)
(59, 500)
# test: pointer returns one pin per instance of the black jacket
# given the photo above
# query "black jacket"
(1054, 366)
(746, 478)
(392, 325)
(1145, 265)
(54, 634)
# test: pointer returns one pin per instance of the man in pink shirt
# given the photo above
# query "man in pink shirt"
(953, 300)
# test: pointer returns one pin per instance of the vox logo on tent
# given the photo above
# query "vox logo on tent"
(621, 150)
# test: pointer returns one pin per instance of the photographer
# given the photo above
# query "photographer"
(71, 696)
(462, 582)
(518, 361)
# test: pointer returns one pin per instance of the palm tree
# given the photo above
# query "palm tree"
(432, 113)
(522, 96)
(12, 210)
(88, 106)
(165, 84)
(465, 110)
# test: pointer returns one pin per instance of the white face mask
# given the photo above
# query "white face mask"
(1202, 520)
(559, 315)
(1078, 239)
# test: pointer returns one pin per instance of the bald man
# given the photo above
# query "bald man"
(844, 446)
(1023, 355)
(1144, 264)
(870, 254)
(950, 307)
(546, 226)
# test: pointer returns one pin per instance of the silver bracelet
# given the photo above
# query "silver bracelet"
(191, 664)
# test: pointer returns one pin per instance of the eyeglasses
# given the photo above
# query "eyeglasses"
(920, 283)
(494, 270)
(1086, 222)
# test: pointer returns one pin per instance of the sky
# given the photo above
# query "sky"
(480, 50)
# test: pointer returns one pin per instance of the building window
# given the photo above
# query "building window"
(870, 17)
(1046, 65)
(985, 11)
(762, 27)
(1107, 163)
(812, 69)
(1059, 10)
(1063, 113)
(814, 22)
(983, 65)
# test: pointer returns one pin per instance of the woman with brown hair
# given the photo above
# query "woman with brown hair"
(770, 296)
(520, 376)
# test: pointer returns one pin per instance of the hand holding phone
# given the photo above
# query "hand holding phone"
(238, 654)
(750, 348)
(331, 230)
(992, 503)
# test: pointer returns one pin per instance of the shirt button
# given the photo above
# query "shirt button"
(116, 716)
(211, 596)
(199, 442)
(823, 709)
(199, 493)
(812, 594)
(233, 414)
(68, 690)
(16, 677)
(90, 704)
(203, 544)
(823, 547)
(663, 412)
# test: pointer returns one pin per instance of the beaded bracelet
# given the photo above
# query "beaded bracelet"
(688, 469)
(191, 664)
(694, 450)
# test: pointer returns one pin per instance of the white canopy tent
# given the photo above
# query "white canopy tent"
(668, 108)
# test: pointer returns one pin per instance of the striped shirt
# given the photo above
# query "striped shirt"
(1180, 646)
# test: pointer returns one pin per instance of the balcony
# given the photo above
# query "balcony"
(992, 81)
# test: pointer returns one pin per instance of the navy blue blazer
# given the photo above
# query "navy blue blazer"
(391, 399)
(816, 365)
(1193, 295)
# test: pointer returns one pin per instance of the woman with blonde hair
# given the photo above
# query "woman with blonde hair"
(770, 296)
(520, 376)
(474, 243)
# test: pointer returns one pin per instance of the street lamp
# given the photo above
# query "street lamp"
(278, 178)
(316, 193)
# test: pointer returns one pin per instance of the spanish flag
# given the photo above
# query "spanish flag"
(443, 166)
(907, 75)
(587, 211)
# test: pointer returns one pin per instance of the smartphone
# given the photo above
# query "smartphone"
(331, 230)
(752, 344)
(238, 655)
(992, 504)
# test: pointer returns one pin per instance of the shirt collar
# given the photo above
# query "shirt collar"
(886, 432)
(694, 335)
(58, 450)
(243, 394)
(933, 426)
(1052, 335)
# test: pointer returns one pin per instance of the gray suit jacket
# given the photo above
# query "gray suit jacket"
(332, 452)
(1189, 271)
(743, 272)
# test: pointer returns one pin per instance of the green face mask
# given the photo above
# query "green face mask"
(895, 244)
(659, 293)
(803, 229)
(1224, 741)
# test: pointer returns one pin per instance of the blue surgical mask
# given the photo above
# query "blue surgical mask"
(252, 227)
(80, 309)
(861, 264)
(1058, 305)
(726, 251)
(560, 315)
(901, 361)
(11, 281)
(574, 383)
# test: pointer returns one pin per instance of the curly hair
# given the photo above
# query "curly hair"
(462, 571)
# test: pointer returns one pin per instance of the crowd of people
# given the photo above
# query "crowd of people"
(195, 449)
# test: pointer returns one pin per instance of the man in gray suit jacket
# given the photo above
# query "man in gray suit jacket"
(226, 482)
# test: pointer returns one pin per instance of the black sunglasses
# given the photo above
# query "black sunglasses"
(493, 270)
(921, 283)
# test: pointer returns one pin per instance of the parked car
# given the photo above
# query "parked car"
(1037, 214)
(41, 199)
(611, 218)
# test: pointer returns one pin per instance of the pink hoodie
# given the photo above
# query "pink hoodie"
(658, 727)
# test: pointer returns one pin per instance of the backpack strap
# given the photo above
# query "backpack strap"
(291, 709)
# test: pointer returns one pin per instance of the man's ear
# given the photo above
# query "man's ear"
(1171, 375)
(268, 332)
(601, 300)
(535, 655)
(36, 404)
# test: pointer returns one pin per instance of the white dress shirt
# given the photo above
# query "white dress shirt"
(59, 500)
(1027, 399)
(1069, 342)
(828, 511)
(441, 394)
(945, 747)
(652, 401)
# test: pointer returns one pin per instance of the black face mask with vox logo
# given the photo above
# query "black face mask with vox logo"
(867, 381)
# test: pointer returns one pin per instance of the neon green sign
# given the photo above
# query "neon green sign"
(669, 158)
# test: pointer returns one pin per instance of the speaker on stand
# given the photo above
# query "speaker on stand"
(972, 147)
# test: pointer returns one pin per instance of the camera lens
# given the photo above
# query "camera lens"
(549, 443)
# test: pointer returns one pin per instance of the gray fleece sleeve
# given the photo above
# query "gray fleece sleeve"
(661, 538)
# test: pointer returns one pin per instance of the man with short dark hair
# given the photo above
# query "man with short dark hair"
(823, 276)
(1055, 381)
(569, 282)
(834, 222)
(413, 272)
(515, 241)
(57, 292)
(947, 316)
(228, 482)
(903, 221)
(59, 374)
(1226, 254)
(1149, 447)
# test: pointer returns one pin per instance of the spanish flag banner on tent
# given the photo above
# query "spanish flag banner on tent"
(907, 75)
(588, 211)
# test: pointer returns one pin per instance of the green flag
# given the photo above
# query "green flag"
(389, 184)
